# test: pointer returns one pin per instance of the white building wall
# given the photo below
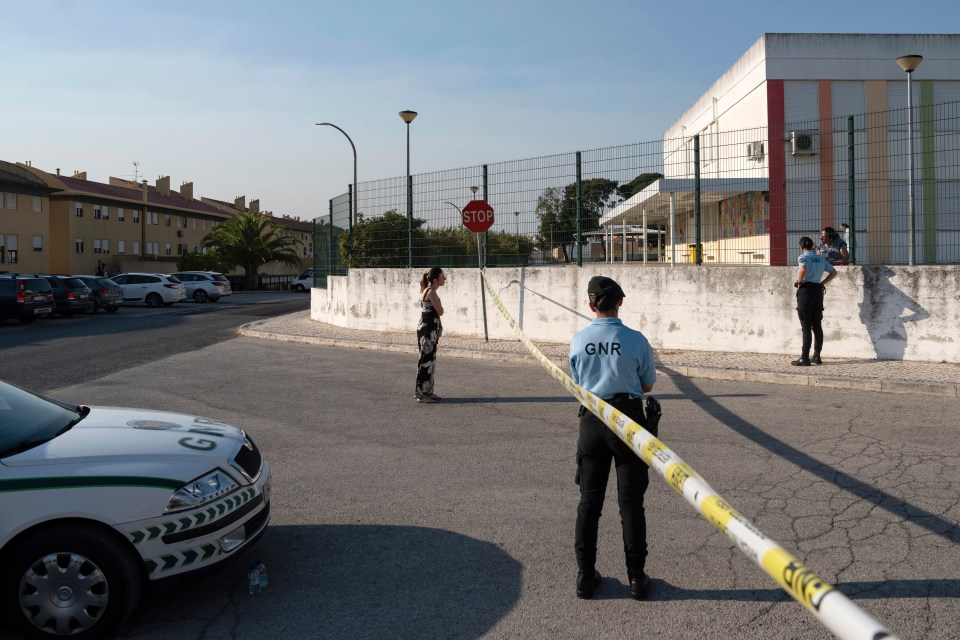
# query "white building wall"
(909, 313)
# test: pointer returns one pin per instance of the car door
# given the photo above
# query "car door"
(134, 287)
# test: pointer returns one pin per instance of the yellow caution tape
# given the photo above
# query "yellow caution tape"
(832, 608)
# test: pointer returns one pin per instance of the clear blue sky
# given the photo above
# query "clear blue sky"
(226, 93)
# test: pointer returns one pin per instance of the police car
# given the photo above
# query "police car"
(95, 502)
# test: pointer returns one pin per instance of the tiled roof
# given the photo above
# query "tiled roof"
(7, 177)
(174, 200)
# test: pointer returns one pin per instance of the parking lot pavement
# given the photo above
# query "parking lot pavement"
(393, 519)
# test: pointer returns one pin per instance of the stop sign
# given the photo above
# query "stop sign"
(477, 216)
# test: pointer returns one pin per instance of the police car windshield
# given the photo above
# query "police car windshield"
(28, 420)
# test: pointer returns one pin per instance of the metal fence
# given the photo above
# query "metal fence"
(718, 197)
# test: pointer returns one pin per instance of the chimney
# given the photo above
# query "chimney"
(255, 205)
(145, 190)
(58, 172)
(186, 191)
(163, 185)
(240, 202)
(80, 175)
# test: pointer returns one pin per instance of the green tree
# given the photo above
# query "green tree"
(558, 215)
(548, 214)
(637, 185)
(251, 240)
(380, 241)
(211, 260)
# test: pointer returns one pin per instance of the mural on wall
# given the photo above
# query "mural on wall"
(744, 215)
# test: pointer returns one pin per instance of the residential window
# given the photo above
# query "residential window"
(38, 243)
(204, 225)
(167, 249)
(78, 245)
(120, 214)
(136, 248)
(194, 248)
(156, 218)
(78, 209)
(106, 212)
(120, 246)
(96, 246)
(96, 212)
(181, 249)
(106, 246)
(183, 222)
(166, 221)
(12, 248)
(194, 223)
(37, 204)
(136, 215)
(2, 253)
(11, 201)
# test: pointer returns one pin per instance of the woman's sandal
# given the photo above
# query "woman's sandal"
(425, 400)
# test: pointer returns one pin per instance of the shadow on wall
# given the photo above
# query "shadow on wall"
(881, 312)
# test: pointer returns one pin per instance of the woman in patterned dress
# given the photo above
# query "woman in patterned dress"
(428, 333)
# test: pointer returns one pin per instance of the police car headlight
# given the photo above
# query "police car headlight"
(201, 491)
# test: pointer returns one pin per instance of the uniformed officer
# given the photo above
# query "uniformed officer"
(810, 290)
(615, 363)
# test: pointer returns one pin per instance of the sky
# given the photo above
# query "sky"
(226, 94)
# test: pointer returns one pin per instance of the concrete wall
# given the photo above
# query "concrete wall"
(909, 313)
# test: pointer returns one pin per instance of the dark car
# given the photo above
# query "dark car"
(70, 294)
(25, 298)
(106, 293)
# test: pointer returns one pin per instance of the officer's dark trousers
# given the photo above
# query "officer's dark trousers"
(596, 447)
(810, 310)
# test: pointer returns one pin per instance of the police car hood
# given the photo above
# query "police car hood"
(111, 434)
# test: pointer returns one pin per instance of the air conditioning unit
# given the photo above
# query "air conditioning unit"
(802, 143)
(755, 150)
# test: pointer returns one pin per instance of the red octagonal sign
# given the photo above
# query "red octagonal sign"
(477, 216)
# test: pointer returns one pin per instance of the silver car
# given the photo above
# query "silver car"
(204, 286)
(153, 289)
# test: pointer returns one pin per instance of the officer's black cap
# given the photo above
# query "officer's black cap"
(602, 286)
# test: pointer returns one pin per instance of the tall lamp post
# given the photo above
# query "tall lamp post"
(408, 116)
(910, 64)
(356, 196)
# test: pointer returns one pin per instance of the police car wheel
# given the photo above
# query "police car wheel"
(74, 580)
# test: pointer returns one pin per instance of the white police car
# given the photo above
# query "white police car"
(97, 501)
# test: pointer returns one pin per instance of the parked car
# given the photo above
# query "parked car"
(303, 282)
(70, 294)
(204, 285)
(106, 293)
(153, 289)
(99, 501)
(25, 298)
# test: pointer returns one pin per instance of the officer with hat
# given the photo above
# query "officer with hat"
(615, 363)
(810, 290)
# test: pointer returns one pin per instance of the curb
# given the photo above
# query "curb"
(706, 373)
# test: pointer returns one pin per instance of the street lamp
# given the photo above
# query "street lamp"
(408, 116)
(356, 196)
(909, 64)
(474, 190)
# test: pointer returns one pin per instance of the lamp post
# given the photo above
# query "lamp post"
(353, 204)
(408, 116)
(909, 64)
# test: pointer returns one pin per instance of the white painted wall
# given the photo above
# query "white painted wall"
(899, 312)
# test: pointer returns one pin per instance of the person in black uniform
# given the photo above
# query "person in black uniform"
(810, 290)
(615, 363)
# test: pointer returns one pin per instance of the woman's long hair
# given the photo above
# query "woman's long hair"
(429, 277)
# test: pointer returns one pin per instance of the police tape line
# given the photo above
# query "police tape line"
(837, 612)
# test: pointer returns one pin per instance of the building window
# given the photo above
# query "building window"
(78, 245)
(119, 246)
(106, 212)
(136, 248)
(38, 243)
(181, 249)
(96, 212)
(78, 209)
(120, 214)
(183, 222)
(136, 215)
(166, 221)
(167, 249)
(37, 204)
(156, 218)
(11, 201)
(96, 246)
(194, 223)
(12, 248)
(106, 246)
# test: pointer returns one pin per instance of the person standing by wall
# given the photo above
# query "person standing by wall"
(810, 290)
(615, 363)
(429, 331)
(101, 269)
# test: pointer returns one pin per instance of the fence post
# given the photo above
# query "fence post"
(852, 189)
(696, 200)
(483, 261)
(329, 257)
(579, 215)
(486, 234)
(352, 210)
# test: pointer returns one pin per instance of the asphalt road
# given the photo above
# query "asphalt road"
(393, 519)
(55, 351)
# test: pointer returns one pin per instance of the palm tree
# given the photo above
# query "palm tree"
(251, 240)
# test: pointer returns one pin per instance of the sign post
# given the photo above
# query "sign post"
(477, 216)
